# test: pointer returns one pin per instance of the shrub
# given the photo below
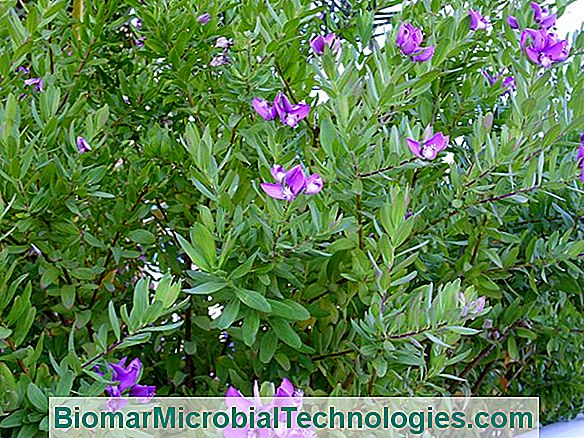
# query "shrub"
(430, 243)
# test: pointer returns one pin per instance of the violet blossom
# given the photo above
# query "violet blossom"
(285, 396)
(472, 307)
(543, 48)
(82, 145)
(290, 114)
(223, 43)
(289, 184)
(512, 22)
(508, 82)
(477, 21)
(409, 39)
(127, 377)
(204, 18)
(542, 16)
(429, 147)
(319, 43)
(219, 60)
(264, 109)
(37, 82)
(580, 156)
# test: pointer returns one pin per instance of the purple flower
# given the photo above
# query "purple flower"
(290, 184)
(472, 307)
(127, 379)
(508, 82)
(286, 396)
(144, 393)
(140, 41)
(136, 22)
(219, 60)
(127, 376)
(430, 146)
(23, 70)
(580, 156)
(542, 16)
(319, 42)
(409, 39)
(477, 21)
(424, 54)
(512, 22)
(290, 114)
(543, 47)
(223, 43)
(264, 109)
(204, 18)
(38, 82)
(82, 145)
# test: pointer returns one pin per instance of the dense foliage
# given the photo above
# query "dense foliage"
(130, 149)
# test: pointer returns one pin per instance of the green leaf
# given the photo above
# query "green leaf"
(143, 237)
(68, 296)
(207, 288)
(228, 316)
(14, 420)
(204, 241)
(65, 384)
(268, 346)
(37, 398)
(114, 321)
(250, 327)
(253, 299)
(243, 269)
(289, 309)
(463, 330)
(285, 333)
(194, 254)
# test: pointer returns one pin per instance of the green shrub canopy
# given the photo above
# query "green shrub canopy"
(198, 195)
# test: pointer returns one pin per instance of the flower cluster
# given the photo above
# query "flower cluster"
(288, 113)
(222, 59)
(290, 184)
(409, 40)
(319, 43)
(429, 147)
(543, 47)
(285, 396)
(127, 377)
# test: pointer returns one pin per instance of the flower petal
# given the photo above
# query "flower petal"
(235, 398)
(438, 141)
(263, 108)
(296, 179)
(143, 392)
(314, 184)
(424, 54)
(532, 55)
(414, 147)
(318, 43)
(278, 172)
(512, 22)
(275, 191)
(282, 105)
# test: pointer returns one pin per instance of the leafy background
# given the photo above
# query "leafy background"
(158, 243)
